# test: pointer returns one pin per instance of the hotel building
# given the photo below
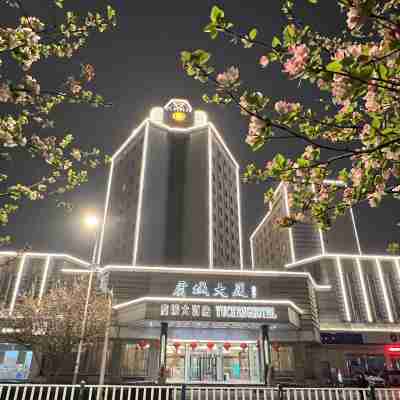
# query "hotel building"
(171, 249)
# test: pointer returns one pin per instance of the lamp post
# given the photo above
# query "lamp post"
(91, 222)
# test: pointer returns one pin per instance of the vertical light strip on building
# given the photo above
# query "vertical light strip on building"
(110, 175)
(398, 270)
(44, 277)
(353, 220)
(253, 261)
(17, 283)
(364, 290)
(210, 196)
(239, 216)
(343, 289)
(384, 290)
(285, 195)
(321, 235)
(140, 198)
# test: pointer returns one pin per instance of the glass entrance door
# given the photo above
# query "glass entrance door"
(204, 366)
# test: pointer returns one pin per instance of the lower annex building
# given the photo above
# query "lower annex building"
(171, 249)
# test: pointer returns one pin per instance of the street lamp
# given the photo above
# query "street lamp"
(92, 222)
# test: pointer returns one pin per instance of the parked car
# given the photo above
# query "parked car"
(374, 380)
(392, 378)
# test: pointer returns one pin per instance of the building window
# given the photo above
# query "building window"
(283, 359)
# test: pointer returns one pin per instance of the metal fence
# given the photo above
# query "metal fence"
(188, 392)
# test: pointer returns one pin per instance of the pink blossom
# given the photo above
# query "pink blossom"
(322, 84)
(229, 77)
(371, 103)
(264, 61)
(365, 132)
(348, 195)
(374, 51)
(5, 93)
(354, 18)
(284, 107)
(354, 50)
(345, 107)
(255, 127)
(356, 176)
(297, 63)
(339, 88)
(340, 54)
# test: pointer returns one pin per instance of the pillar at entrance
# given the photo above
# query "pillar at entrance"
(163, 345)
(265, 352)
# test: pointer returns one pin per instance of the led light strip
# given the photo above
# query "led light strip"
(210, 201)
(343, 288)
(343, 328)
(140, 199)
(75, 271)
(291, 241)
(364, 291)
(207, 301)
(177, 129)
(335, 255)
(214, 341)
(44, 277)
(129, 139)
(44, 255)
(179, 101)
(17, 282)
(239, 206)
(108, 193)
(353, 220)
(224, 272)
(384, 291)
(321, 235)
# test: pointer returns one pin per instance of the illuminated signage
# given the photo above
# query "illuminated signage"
(218, 311)
(219, 289)
(179, 116)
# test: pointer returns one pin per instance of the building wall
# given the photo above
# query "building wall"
(225, 212)
(270, 245)
(365, 289)
(120, 221)
(274, 247)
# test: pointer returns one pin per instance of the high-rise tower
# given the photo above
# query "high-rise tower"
(173, 195)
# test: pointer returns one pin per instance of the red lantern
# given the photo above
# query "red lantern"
(176, 345)
(210, 345)
(227, 346)
(243, 346)
(193, 345)
(142, 344)
(275, 346)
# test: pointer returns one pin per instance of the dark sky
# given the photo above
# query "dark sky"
(137, 68)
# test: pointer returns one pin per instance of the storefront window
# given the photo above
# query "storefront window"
(367, 363)
(134, 360)
(204, 363)
(283, 359)
(176, 363)
(15, 362)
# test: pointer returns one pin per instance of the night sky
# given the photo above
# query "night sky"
(138, 67)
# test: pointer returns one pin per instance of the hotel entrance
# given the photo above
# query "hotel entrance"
(213, 362)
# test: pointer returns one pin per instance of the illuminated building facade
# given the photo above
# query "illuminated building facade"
(173, 195)
(310, 306)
